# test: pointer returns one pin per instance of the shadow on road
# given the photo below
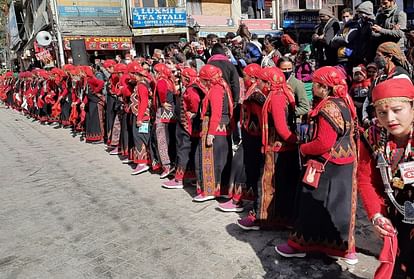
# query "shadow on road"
(275, 266)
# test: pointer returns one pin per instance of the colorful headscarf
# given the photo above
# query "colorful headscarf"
(252, 70)
(390, 48)
(400, 89)
(135, 67)
(109, 63)
(120, 68)
(332, 77)
(190, 74)
(165, 73)
(214, 75)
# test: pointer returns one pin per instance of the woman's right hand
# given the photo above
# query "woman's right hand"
(383, 227)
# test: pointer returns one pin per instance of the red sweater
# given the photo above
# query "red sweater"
(143, 98)
(191, 100)
(213, 107)
(370, 184)
(279, 111)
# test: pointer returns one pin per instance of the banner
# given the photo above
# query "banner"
(101, 43)
(44, 56)
(158, 17)
(307, 19)
(13, 29)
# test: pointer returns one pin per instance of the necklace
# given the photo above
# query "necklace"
(394, 157)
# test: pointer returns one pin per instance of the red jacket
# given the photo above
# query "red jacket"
(217, 106)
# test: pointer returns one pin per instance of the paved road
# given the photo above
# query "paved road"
(69, 210)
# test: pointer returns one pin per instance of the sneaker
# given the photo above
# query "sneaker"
(140, 169)
(173, 184)
(248, 223)
(127, 161)
(203, 198)
(167, 171)
(115, 152)
(350, 258)
(289, 252)
(230, 207)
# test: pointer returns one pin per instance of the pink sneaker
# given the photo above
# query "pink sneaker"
(230, 206)
(289, 252)
(350, 258)
(115, 152)
(140, 169)
(248, 223)
(203, 198)
(166, 171)
(173, 184)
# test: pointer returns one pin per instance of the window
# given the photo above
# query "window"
(156, 3)
(256, 9)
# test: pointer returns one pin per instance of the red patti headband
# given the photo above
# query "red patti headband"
(393, 88)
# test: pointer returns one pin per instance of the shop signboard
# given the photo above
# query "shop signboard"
(305, 19)
(44, 56)
(104, 10)
(101, 43)
(158, 17)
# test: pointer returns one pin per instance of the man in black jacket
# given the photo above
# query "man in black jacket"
(219, 59)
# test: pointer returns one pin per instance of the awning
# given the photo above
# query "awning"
(159, 31)
(120, 31)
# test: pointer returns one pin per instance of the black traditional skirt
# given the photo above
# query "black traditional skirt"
(278, 189)
(325, 220)
(94, 119)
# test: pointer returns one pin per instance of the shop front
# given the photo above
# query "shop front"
(99, 47)
(300, 24)
(157, 27)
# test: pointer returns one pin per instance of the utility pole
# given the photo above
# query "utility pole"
(58, 35)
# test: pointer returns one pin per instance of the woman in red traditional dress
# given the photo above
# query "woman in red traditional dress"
(94, 121)
(116, 95)
(188, 128)
(277, 189)
(248, 158)
(214, 148)
(141, 107)
(385, 176)
(326, 208)
(165, 119)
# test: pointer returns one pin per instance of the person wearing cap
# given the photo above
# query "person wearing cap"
(188, 128)
(141, 118)
(359, 88)
(247, 159)
(386, 188)
(390, 25)
(321, 39)
(353, 40)
(325, 214)
(214, 149)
